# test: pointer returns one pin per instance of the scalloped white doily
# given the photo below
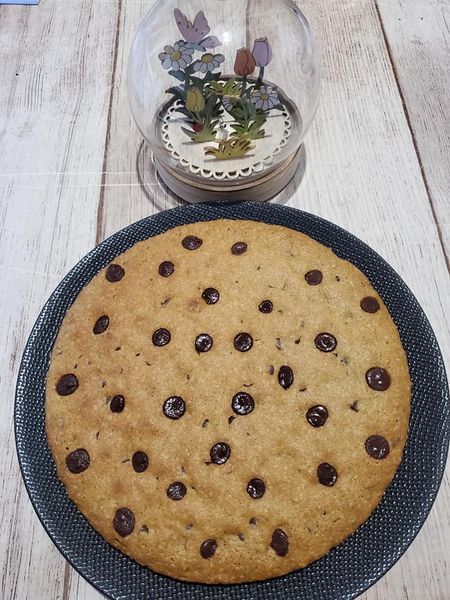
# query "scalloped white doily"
(191, 155)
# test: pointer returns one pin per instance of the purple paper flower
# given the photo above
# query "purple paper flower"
(262, 52)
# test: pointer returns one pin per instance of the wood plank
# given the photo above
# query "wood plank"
(56, 70)
(418, 37)
(128, 195)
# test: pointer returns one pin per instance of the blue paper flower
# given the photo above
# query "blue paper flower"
(265, 98)
(208, 62)
(176, 57)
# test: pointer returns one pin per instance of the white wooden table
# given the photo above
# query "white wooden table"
(378, 165)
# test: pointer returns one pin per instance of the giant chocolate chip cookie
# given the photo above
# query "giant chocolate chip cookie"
(227, 401)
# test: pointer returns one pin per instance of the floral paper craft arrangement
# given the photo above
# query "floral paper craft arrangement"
(207, 99)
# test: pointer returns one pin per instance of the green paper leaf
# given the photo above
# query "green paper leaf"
(251, 109)
(238, 114)
(178, 92)
(210, 76)
(188, 132)
(184, 111)
(178, 75)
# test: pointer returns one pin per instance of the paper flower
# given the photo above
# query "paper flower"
(245, 63)
(265, 98)
(230, 102)
(262, 52)
(208, 62)
(176, 57)
(194, 100)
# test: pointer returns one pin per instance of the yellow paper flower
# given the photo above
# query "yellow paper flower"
(194, 100)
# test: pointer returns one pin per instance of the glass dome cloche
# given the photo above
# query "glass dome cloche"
(224, 92)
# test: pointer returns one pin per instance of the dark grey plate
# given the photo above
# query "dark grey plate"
(348, 569)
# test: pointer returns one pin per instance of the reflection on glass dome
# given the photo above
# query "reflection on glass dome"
(223, 97)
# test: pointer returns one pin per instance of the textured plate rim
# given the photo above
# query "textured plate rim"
(218, 212)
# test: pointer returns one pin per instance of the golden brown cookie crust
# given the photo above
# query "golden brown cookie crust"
(274, 443)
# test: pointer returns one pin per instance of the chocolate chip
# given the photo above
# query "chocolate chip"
(117, 404)
(176, 490)
(101, 325)
(143, 529)
(280, 542)
(271, 370)
(124, 522)
(313, 277)
(174, 407)
(166, 268)
(325, 342)
(266, 307)
(114, 273)
(253, 521)
(285, 377)
(242, 403)
(317, 415)
(161, 337)
(220, 453)
(378, 379)
(205, 423)
(67, 384)
(203, 343)
(78, 461)
(370, 304)
(377, 446)
(327, 474)
(191, 242)
(354, 406)
(241, 536)
(243, 342)
(211, 296)
(256, 488)
(208, 548)
(239, 248)
(231, 419)
(140, 461)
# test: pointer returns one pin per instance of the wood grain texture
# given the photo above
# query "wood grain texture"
(62, 188)
(418, 38)
(55, 64)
